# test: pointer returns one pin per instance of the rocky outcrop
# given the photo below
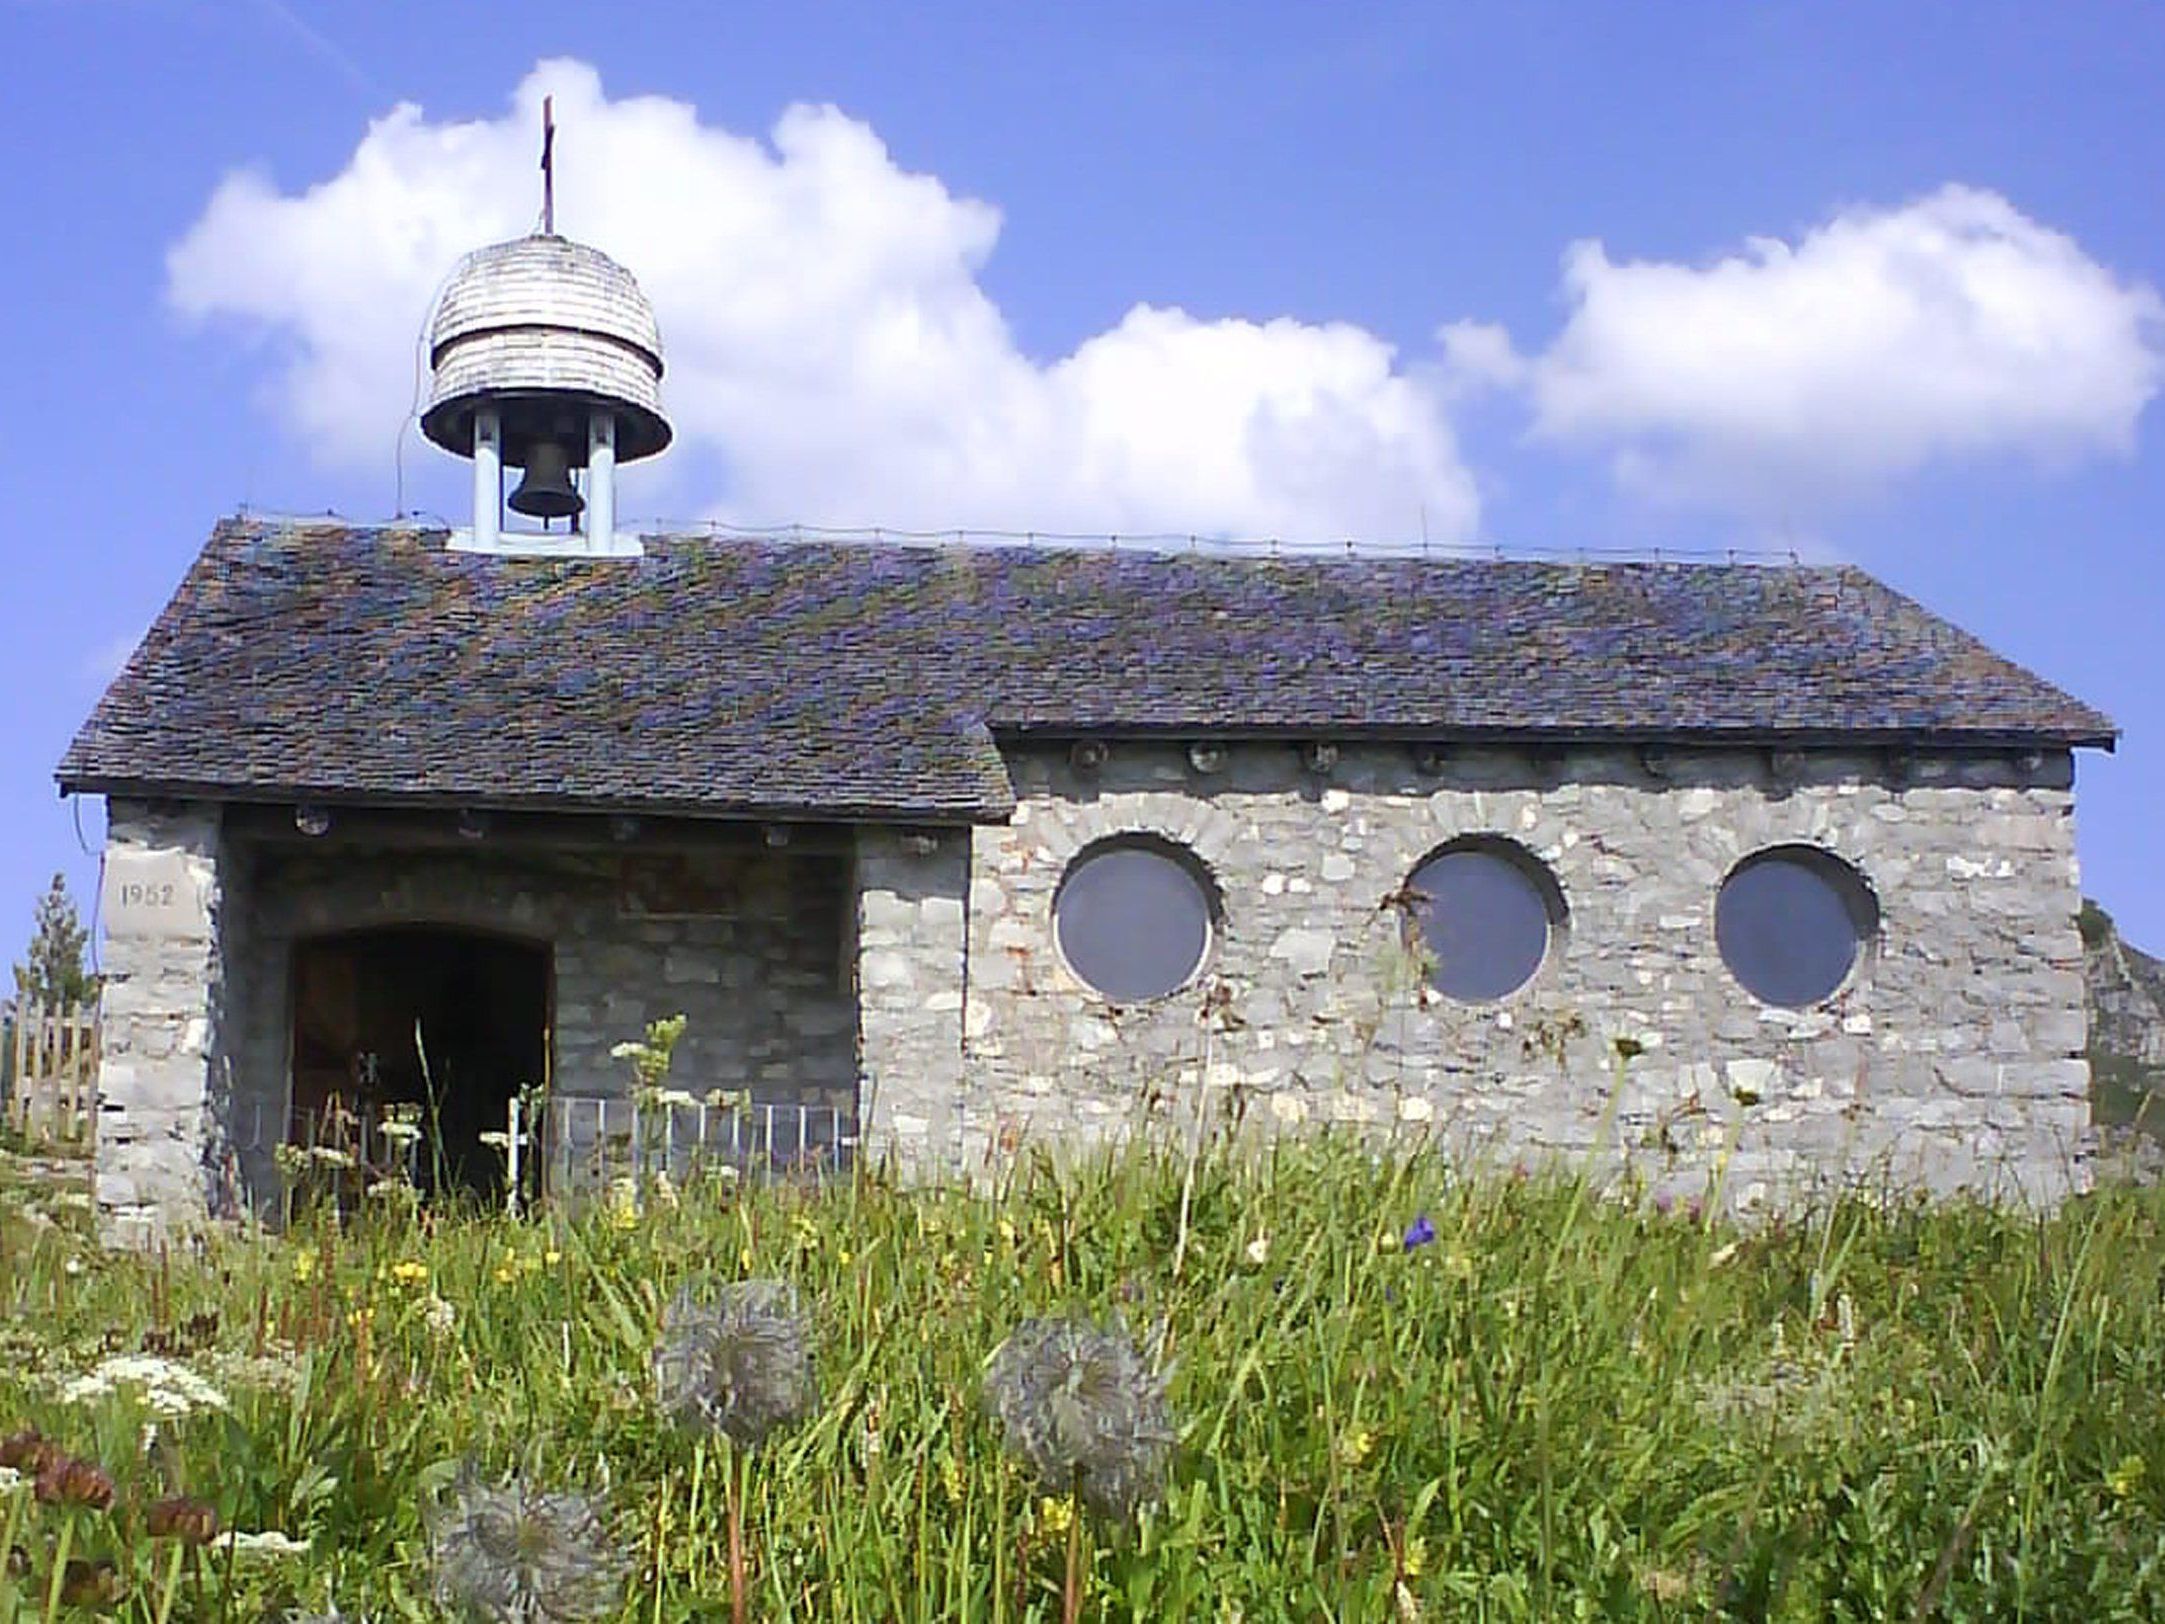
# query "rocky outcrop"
(2126, 996)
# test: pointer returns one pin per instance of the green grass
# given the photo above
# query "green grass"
(1564, 1407)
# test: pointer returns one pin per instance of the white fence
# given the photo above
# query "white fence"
(567, 1144)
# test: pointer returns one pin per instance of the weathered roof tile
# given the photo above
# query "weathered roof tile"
(844, 680)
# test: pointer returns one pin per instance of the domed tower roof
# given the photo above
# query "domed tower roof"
(544, 321)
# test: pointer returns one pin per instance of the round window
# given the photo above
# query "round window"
(1790, 923)
(1484, 910)
(1133, 919)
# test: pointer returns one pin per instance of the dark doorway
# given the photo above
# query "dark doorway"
(455, 1022)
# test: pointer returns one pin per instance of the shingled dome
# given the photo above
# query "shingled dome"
(547, 319)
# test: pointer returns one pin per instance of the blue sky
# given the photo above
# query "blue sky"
(1873, 282)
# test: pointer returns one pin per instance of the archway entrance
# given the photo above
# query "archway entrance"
(454, 1022)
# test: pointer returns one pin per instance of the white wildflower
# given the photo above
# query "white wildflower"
(10, 1480)
(326, 1156)
(1258, 1250)
(277, 1368)
(677, 1099)
(167, 1388)
(498, 1140)
(401, 1133)
(269, 1542)
(440, 1316)
(627, 1050)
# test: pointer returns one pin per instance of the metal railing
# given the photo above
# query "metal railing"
(568, 1144)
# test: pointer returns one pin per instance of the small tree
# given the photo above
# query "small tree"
(54, 976)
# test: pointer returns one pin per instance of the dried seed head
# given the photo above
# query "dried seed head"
(28, 1451)
(91, 1583)
(69, 1482)
(189, 1521)
(1083, 1410)
(517, 1556)
(742, 1366)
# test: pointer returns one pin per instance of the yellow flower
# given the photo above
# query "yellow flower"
(744, 1258)
(1414, 1557)
(360, 1319)
(951, 1480)
(304, 1264)
(1054, 1515)
(552, 1258)
(410, 1272)
(505, 1274)
(1007, 1231)
(625, 1217)
(1356, 1446)
(2124, 1479)
(843, 1256)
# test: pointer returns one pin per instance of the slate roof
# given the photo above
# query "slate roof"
(845, 680)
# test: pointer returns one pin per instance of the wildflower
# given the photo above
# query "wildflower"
(1055, 1514)
(520, 1557)
(743, 1367)
(69, 1482)
(1258, 1250)
(951, 1479)
(410, 1272)
(439, 1316)
(1356, 1446)
(505, 1274)
(1414, 1557)
(169, 1389)
(304, 1264)
(270, 1542)
(28, 1450)
(1420, 1232)
(625, 1218)
(326, 1156)
(10, 1480)
(400, 1134)
(2126, 1478)
(189, 1521)
(1007, 1231)
(86, 1583)
(358, 1320)
(552, 1258)
(495, 1139)
(1078, 1404)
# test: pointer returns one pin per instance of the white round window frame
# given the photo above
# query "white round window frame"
(1852, 877)
(1185, 858)
(1555, 906)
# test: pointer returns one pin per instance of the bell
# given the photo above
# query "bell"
(545, 491)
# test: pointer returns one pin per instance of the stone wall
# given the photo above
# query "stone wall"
(167, 932)
(1951, 1059)
(762, 970)
(913, 977)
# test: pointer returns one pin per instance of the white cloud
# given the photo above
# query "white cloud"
(826, 333)
(1882, 341)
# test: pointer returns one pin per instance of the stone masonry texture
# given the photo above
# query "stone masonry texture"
(1951, 1060)
(918, 982)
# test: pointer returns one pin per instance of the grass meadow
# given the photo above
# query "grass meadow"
(1398, 1395)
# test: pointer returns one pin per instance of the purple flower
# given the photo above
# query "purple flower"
(1421, 1233)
